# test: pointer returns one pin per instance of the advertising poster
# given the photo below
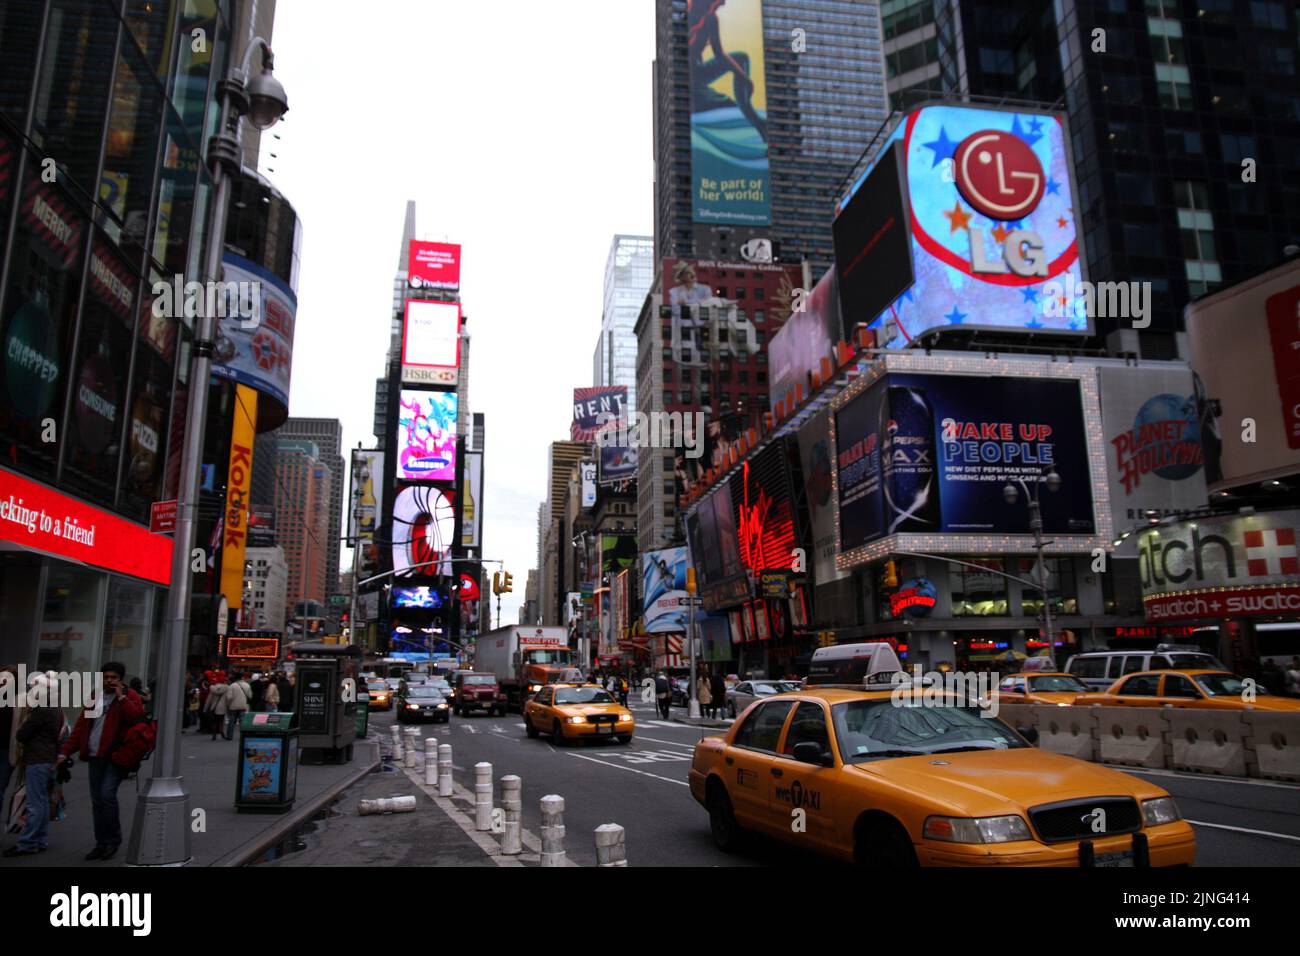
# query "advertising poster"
(1154, 457)
(617, 552)
(423, 526)
(815, 455)
(595, 408)
(806, 338)
(588, 484)
(431, 343)
(715, 550)
(433, 265)
(426, 436)
(239, 478)
(260, 356)
(616, 464)
(471, 520)
(261, 769)
(619, 599)
(664, 600)
(765, 510)
(994, 243)
(1244, 565)
(946, 445)
(366, 497)
(729, 168)
(1245, 347)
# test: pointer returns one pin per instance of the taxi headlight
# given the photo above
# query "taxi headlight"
(1160, 810)
(977, 829)
(577, 720)
(624, 716)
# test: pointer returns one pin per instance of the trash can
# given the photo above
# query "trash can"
(267, 770)
(363, 713)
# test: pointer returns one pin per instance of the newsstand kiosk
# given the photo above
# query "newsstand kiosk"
(326, 706)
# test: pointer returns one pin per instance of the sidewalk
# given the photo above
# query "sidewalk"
(208, 767)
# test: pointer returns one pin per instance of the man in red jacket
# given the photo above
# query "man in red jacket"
(93, 739)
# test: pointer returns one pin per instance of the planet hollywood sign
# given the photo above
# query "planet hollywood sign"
(1235, 566)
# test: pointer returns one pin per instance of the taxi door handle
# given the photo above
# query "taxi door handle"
(777, 772)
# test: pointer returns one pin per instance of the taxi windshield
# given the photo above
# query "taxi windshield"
(376, 685)
(582, 695)
(867, 729)
(1224, 685)
(1056, 682)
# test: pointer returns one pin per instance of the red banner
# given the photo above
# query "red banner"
(41, 519)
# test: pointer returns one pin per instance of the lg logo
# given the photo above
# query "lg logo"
(999, 175)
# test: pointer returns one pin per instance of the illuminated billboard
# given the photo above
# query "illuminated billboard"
(431, 343)
(423, 527)
(807, 337)
(990, 215)
(595, 408)
(433, 265)
(418, 597)
(426, 436)
(729, 166)
(254, 343)
(665, 603)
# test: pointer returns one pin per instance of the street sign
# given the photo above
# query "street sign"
(341, 599)
(162, 517)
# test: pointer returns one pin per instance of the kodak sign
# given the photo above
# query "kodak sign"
(239, 479)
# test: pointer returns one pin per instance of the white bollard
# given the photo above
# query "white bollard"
(430, 763)
(397, 743)
(512, 805)
(386, 805)
(444, 770)
(483, 796)
(412, 742)
(553, 831)
(611, 850)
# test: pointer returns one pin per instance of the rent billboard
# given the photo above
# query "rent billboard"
(595, 408)
(729, 166)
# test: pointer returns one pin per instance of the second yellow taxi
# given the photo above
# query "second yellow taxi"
(575, 711)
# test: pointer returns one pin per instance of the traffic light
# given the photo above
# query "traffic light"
(690, 580)
(506, 585)
(496, 582)
(891, 574)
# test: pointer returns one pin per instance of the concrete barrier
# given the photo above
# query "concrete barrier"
(1017, 715)
(1134, 736)
(1207, 741)
(1068, 730)
(1273, 744)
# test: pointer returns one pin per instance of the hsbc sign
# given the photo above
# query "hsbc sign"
(1237, 566)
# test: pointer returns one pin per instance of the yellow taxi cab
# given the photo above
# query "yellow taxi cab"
(573, 711)
(381, 695)
(898, 775)
(1040, 687)
(1201, 688)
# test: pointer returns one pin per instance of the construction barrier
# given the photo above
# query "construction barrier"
(1273, 744)
(1133, 736)
(1207, 741)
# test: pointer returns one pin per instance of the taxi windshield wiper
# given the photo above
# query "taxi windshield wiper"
(964, 747)
(893, 753)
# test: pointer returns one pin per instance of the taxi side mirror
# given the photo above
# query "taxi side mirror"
(810, 752)
(1029, 733)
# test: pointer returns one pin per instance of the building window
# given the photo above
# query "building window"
(758, 316)
(1173, 80)
(1196, 229)
(978, 592)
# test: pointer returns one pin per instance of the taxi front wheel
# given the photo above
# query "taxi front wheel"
(529, 729)
(883, 844)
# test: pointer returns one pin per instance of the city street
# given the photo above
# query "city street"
(643, 787)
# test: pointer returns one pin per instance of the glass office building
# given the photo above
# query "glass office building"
(629, 271)
(104, 108)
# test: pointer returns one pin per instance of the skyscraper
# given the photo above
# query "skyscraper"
(301, 505)
(327, 435)
(629, 270)
(1183, 119)
(825, 96)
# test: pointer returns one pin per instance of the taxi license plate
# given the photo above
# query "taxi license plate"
(605, 728)
(1114, 859)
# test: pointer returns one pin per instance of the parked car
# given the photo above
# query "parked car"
(1100, 669)
(422, 703)
(1040, 688)
(748, 691)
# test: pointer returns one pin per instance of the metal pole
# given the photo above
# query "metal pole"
(160, 829)
(1036, 525)
(694, 709)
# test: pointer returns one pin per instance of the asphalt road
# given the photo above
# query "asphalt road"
(642, 786)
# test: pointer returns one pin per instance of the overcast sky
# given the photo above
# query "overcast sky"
(523, 131)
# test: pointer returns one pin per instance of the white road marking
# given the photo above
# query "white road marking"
(630, 769)
(675, 743)
(1263, 833)
(1215, 778)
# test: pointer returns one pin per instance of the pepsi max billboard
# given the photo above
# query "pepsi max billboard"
(923, 453)
(989, 214)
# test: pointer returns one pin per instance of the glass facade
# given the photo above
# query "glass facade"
(104, 107)
(629, 270)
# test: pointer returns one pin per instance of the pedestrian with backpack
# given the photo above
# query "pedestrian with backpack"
(39, 732)
(238, 698)
(98, 731)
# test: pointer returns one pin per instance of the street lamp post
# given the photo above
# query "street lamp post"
(160, 831)
(1053, 481)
